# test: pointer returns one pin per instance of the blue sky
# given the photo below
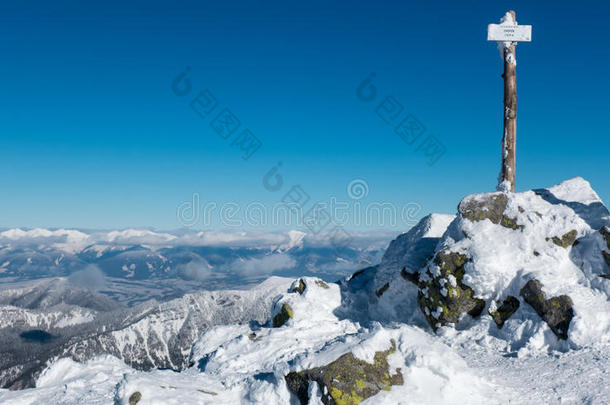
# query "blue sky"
(92, 135)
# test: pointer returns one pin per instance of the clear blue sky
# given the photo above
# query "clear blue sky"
(91, 134)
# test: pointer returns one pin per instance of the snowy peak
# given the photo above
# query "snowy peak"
(501, 241)
(411, 249)
(470, 270)
(577, 194)
(575, 190)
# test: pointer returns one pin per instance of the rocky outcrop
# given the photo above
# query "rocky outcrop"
(488, 206)
(412, 277)
(508, 307)
(443, 297)
(347, 380)
(135, 398)
(566, 240)
(283, 316)
(299, 287)
(383, 289)
(605, 232)
(556, 312)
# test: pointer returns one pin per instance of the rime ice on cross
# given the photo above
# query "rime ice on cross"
(507, 34)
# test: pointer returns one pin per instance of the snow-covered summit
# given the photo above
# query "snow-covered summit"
(481, 265)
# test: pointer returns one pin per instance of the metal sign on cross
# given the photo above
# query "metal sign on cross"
(507, 34)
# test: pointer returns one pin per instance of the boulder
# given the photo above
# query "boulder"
(283, 315)
(443, 297)
(508, 307)
(556, 312)
(135, 398)
(566, 240)
(488, 206)
(299, 287)
(347, 380)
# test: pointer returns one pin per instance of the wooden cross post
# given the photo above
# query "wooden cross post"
(507, 34)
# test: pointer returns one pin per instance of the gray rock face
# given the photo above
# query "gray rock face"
(347, 380)
(444, 298)
(489, 206)
(556, 312)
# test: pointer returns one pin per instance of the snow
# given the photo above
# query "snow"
(507, 19)
(472, 362)
(69, 382)
(233, 366)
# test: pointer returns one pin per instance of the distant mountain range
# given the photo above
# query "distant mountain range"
(129, 264)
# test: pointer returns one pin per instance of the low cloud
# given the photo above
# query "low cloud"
(91, 277)
(262, 266)
(197, 269)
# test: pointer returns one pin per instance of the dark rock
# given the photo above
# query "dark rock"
(135, 398)
(567, 239)
(347, 380)
(356, 274)
(412, 277)
(283, 316)
(510, 223)
(299, 288)
(505, 311)
(536, 253)
(439, 292)
(606, 235)
(383, 289)
(322, 284)
(606, 276)
(489, 206)
(557, 312)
